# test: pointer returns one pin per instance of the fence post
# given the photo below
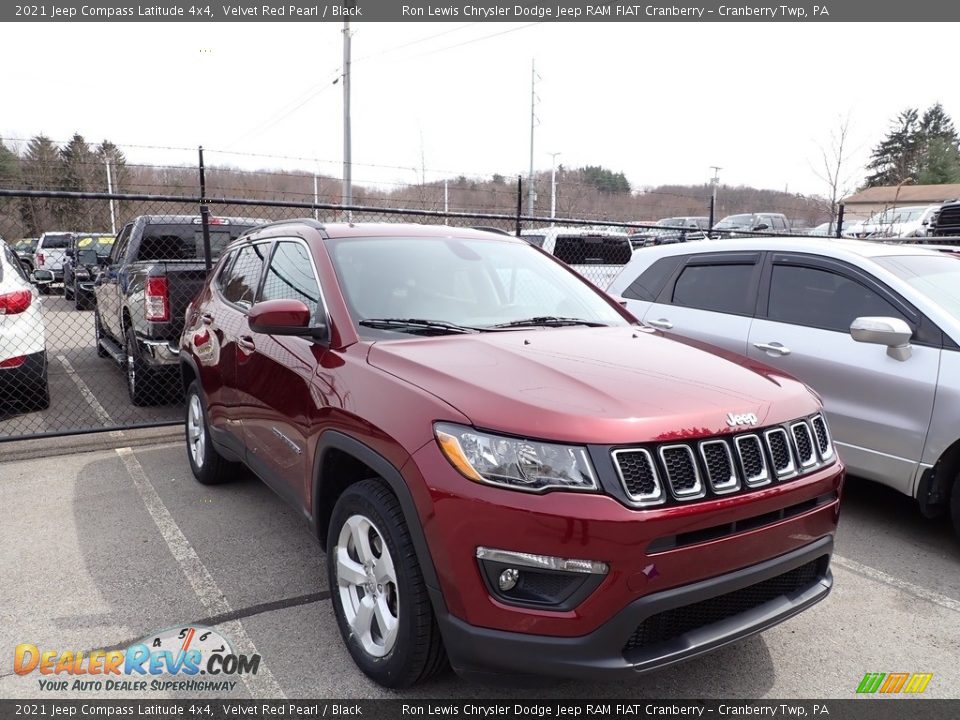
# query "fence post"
(713, 200)
(840, 221)
(205, 215)
(519, 201)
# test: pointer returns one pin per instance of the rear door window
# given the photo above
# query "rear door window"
(651, 281)
(724, 288)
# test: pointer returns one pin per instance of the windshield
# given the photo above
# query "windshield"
(736, 221)
(936, 276)
(468, 282)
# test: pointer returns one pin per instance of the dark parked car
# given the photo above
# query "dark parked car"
(505, 469)
(737, 225)
(155, 267)
(672, 230)
(86, 254)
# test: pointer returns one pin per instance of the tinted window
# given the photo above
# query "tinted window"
(720, 288)
(651, 281)
(183, 241)
(59, 241)
(536, 240)
(822, 299)
(290, 277)
(240, 286)
(580, 250)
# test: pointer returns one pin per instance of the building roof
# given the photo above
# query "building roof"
(907, 194)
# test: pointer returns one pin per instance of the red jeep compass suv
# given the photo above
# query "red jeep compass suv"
(505, 469)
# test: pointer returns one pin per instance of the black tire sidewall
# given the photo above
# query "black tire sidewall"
(393, 670)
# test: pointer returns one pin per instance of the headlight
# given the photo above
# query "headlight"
(80, 273)
(515, 463)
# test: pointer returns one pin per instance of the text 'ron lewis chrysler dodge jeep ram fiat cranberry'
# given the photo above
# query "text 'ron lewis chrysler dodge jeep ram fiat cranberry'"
(505, 469)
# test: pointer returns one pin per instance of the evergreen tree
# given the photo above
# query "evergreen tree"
(939, 156)
(42, 169)
(9, 178)
(80, 171)
(895, 158)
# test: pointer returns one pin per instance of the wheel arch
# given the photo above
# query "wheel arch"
(938, 482)
(332, 449)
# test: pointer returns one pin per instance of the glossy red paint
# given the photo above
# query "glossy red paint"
(273, 398)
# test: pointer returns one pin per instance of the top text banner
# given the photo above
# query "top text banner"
(522, 11)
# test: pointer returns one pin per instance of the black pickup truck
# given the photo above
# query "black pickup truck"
(154, 270)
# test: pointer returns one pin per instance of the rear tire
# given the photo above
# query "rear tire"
(955, 506)
(68, 292)
(141, 380)
(40, 398)
(209, 467)
(44, 288)
(379, 596)
(79, 303)
(97, 334)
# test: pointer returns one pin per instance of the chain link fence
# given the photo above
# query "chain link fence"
(90, 316)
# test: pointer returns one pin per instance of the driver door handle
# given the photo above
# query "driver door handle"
(206, 319)
(246, 342)
(773, 348)
(662, 323)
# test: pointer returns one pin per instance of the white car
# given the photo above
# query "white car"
(872, 327)
(48, 259)
(598, 254)
(23, 356)
(900, 222)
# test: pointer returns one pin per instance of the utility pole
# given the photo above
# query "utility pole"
(446, 201)
(553, 186)
(347, 160)
(316, 197)
(531, 191)
(113, 217)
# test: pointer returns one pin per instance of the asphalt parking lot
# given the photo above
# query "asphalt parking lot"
(99, 549)
(86, 391)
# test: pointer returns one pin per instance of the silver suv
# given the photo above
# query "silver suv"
(873, 328)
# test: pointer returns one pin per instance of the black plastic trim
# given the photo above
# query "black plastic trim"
(483, 652)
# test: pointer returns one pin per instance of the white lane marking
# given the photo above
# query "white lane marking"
(261, 685)
(923, 593)
(102, 415)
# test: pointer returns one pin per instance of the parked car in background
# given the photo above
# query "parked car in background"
(23, 356)
(829, 229)
(897, 222)
(48, 257)
(596, 253)
(504, 469)
(24, 249)
(78, 275)
(155, 267)
(945, 222)
(733, 225)
(873, 328)
(675, 229)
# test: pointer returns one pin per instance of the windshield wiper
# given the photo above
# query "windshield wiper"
(416, 324)
(549, 321)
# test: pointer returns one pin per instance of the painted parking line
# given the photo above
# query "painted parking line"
(102, 415)
(918, 591)
(261, 685)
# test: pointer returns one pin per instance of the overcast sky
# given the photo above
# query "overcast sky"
(660, 102)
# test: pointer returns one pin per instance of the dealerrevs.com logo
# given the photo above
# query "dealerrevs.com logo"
(187, 659)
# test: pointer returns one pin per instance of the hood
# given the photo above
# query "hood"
(593, 385)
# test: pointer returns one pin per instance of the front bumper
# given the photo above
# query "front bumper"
(617, 648)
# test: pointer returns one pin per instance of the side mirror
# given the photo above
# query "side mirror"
(87, 256)
(69, 252)
(892, 332)
(284, 317)
(622, 301)
(762, 226)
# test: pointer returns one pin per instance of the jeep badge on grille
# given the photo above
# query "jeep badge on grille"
(735, 420)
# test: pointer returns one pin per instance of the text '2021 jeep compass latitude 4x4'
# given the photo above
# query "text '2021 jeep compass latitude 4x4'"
(504, 468)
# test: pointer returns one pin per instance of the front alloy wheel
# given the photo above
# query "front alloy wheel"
(367, 583)
(209, 466)
(196, 432)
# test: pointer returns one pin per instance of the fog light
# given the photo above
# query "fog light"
(508, 579)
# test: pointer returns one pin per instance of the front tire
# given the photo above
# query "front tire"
(98, 334)
(955, 506)
(379, 596)
(209, 467)
(69, 292)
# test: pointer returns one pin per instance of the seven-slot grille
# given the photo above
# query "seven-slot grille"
(687, 471)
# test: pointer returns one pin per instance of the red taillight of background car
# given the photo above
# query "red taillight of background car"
(16, 302)
(39, 259)
(13, 362)
(157, 305)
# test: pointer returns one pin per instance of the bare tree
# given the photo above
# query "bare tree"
(833, 168)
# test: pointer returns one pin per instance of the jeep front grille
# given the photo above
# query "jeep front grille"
(685, 471)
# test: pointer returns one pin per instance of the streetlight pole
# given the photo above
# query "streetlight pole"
(347, 160)
(113, 217)
(553, 187)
